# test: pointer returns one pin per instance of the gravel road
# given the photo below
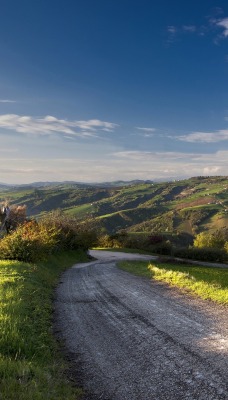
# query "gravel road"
(128, 338)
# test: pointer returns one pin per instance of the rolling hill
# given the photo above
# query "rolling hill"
(190, 205)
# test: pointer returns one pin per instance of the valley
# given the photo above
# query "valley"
(190, 206)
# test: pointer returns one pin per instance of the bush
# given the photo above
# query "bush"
(201, 254)
(72, 234)
(215, 239)
(110, 241)
(155, 239)
(30, 242)
(161, 248)
(136, 242)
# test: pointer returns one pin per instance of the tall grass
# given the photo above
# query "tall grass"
(207, 283)
(31, 366)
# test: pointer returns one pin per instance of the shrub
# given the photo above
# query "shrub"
(109, 241)
(161, 248)
(201, 254)
(72, 234)
(30, 242)
(215, 239)
(155, 239)
(226, 246)
(136, 242)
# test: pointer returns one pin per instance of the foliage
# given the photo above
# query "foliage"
(72, 234)
(154, 243)
(155, 239)
(108, 241)
(33, 241)
(215, 239)
(162, 248)
(30, 242)
(201, 254)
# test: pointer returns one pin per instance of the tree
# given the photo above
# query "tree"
(215, 239)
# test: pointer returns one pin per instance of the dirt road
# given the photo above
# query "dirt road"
(129, 338)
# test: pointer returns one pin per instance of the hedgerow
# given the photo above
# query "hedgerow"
(30, 242)
(34, 241)
(201, 254)
(72, 234)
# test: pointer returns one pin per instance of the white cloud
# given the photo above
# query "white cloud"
(212, 25)
(224, 24)
(49, 125)
(146, 129)
(205, 137)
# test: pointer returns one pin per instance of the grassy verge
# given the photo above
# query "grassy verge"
(31, 367)
(207, 283)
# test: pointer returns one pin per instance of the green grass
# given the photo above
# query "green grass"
(31, 365)
(207, 283)
(80, 210)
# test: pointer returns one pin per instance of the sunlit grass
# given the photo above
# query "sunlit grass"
(31, 366)
(207, 283)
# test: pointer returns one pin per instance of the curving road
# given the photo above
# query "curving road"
(128, 338)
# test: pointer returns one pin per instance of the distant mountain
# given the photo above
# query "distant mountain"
(5, 186)
(73, 183)
(119, 183)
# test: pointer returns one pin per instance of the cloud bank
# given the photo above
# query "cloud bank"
(125, 165)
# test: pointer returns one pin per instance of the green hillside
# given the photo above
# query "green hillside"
(190, 205)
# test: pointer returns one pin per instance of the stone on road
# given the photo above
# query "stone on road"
(129, 338)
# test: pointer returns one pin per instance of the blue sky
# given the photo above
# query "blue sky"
(104, 90)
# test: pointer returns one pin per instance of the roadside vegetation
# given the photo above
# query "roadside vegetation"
(207, 283)
(31, 366)
(207, 246)
(32, 257)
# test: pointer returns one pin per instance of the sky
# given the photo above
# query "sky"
(105, 90)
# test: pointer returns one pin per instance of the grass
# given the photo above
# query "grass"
(207, 283)
(80, 210)
(31, 365)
